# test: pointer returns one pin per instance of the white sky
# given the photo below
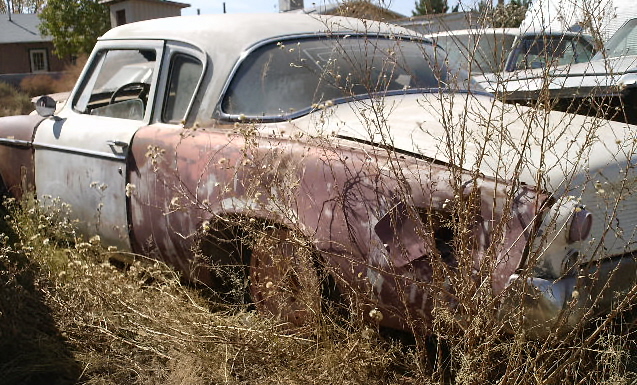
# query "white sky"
(267, 6)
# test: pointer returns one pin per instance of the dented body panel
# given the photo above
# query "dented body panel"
(335, 193)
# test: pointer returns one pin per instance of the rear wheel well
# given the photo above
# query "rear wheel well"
(230, 248)
(224, 252)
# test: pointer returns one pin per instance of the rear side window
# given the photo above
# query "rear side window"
(185, 73)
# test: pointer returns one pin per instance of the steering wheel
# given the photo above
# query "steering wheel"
(141, 87)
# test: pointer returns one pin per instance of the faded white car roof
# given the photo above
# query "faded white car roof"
(243, 30)
(225, 38)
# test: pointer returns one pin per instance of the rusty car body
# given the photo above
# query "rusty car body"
(352, 134)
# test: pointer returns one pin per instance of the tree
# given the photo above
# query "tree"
(510, 15)
(426, 7)
(21, 6)
(74, 25)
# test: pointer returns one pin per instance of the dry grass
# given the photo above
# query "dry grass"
(69, 314)
(13, 102)
(43, 84)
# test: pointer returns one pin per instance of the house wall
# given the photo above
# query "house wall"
(15, 57)
(143, 10)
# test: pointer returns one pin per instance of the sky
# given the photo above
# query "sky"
(403, 7)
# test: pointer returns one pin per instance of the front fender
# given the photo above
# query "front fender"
(16, 153)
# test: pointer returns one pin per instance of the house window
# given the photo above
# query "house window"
(120, 17)
(39, 60)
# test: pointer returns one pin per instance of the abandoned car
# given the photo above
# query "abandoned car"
(353, 150)
(508, 61)
(603, 86)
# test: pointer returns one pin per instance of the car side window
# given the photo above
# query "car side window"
(623, 42)
(118, 84)
(185, 72)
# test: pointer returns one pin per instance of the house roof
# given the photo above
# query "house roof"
(22, 28)
(441, 22)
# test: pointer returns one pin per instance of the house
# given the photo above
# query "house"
(129, 11)
(24, 51)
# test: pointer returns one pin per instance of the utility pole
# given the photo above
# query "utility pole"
(9, 9)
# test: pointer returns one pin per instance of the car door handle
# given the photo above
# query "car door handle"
(117, 143)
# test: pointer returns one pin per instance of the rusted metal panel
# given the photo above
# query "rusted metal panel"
(16, 152)
(335, 193)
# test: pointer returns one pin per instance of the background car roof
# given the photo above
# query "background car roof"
(477, 31)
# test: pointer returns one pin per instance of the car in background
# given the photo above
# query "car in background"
(505, 61)
(300, 151)
(605, 86)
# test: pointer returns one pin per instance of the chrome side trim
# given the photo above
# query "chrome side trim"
(71, 150)
(15, 142)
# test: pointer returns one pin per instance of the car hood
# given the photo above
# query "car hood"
(571, 156)
(605, 66)
(600, 76)
(477, 132)
(595, 73)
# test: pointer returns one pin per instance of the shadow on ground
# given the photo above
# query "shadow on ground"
(32, 350)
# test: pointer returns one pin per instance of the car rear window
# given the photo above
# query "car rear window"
(287, 77)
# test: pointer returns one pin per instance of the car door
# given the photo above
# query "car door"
(80, 154)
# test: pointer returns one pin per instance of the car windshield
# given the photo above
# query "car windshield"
(130, 73)
(538, 51)
(622, 43)
(478, 53)
(289, 77)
